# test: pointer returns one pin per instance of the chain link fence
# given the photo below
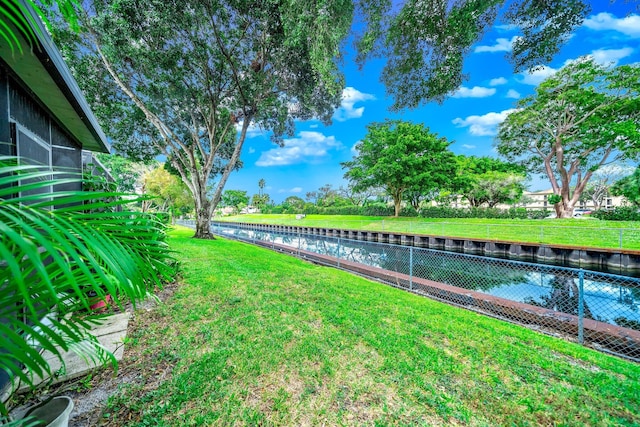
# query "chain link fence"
(597, 309)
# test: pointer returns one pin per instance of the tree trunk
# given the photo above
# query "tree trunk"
(203, 220)
(396, 203)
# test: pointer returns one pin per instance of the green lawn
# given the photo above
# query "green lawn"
(252, 337)
(578, 232)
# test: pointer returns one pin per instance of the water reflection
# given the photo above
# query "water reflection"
(607, 298)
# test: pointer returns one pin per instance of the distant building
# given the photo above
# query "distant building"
(539, 200)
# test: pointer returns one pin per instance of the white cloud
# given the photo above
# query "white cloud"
(497, 81)
(314, 126)
(252, 130)
(502, 45)
(354, 150)
(536, 77)
(474, 92)
(347, 110)
(308, 146)
(512, 93)
(611, 56)
(484, 125)
(252, 150)
(629, 25)
(290, 190)
(507, 27)
(468, 146)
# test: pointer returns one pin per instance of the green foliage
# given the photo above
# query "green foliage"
(474, 212)
(400, 156)
(186, 79)
(629, 187)
(425, 42)
(237, 199)
(125, 172)
(554, 199)
(56, 248)
(168, 192)
(619, 213)
(488, 180)
(579, 119)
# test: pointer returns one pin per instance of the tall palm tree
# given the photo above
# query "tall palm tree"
(261, 184)
(55, 249)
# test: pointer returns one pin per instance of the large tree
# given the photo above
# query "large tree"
(398, 156)
(488, 180)
(580, 119)
(179, 78)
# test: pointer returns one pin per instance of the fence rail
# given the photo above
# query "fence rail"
(597, 309)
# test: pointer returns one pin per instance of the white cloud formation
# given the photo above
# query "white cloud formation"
(611, 56)
(308, 146)
(252, 130)
(512, 93)
(354, 150)
(291, 190)
(484, 125)
(497, 81)
(536, 77)
(502, 45)
(468, 146)
(252, 150)
(507, 27)
(629, 25)
(314, 126)
(347, 110)
(474, 92)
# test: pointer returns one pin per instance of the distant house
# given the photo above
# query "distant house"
(44, 118)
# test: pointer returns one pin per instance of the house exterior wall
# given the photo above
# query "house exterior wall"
(31, 132)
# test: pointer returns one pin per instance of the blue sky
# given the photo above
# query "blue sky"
(469, 117)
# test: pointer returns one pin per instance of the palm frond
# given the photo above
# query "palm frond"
(55, 248)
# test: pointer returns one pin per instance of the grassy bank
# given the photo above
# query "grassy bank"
(578, 232)
(252, 337)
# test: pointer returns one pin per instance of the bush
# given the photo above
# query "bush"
(620, 213)
(512, 213)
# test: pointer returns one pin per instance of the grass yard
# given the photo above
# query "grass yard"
(588, 232)
(252, 337)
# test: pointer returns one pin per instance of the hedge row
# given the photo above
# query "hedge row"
(625, 213)
(513, 213)
(431, 212)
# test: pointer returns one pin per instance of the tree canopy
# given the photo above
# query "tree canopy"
(399, 156)
(187, 78)
(488, 180)
(629, 187)
(425, 42)
(580, 119)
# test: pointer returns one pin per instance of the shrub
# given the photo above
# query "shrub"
(512, 213)
(620, 213)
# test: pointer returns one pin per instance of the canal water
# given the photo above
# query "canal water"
(608, 298)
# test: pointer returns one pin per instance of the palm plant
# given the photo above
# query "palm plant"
(54, 249)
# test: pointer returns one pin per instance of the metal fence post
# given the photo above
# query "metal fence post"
(410, 268)
(621, 238)
(298, 242)
(581, 306)
(338, 254)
